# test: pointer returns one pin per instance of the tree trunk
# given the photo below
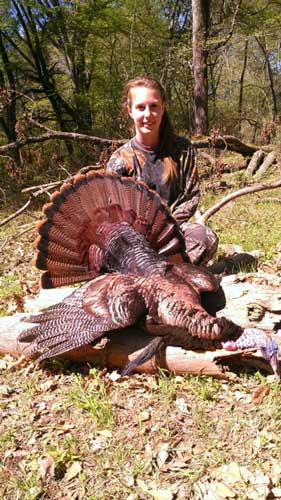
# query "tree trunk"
(270, 76)
(200, 25)
(241, 91)
(8, 117)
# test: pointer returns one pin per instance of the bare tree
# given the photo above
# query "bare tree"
(265, 51)
(241, 87)
(200, 27)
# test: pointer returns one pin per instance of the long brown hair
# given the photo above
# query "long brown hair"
(166, 132)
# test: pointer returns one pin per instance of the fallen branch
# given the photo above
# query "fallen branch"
(17, 213)
(202, 218)
(226, 142)
(210, 159)
(256, 160)
(41, 189)
(269, 199)
(54, 134)
(231, 143)
(266, 164)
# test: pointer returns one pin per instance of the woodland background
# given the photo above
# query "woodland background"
(73, 431)
(63, 65)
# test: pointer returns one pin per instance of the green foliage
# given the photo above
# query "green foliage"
(10, 289)
(64, 64)
(92, 399)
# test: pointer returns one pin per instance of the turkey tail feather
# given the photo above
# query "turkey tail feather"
(145, 355)
(75, 214)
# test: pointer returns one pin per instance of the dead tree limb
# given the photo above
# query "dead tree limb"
(53, 134)
(255, 162)
(202, 218)
(225, 142)
(266, 164)
(230, 143)
(15, 214)
(35, 191)
(39, 187)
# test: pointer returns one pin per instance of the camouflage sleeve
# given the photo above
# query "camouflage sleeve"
(186, 203)
(117, 164)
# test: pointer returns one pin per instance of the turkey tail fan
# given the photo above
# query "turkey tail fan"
(68, 245)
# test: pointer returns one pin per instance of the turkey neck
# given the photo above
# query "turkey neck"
(128, 251)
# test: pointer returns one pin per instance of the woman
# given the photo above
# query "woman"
(164, 161)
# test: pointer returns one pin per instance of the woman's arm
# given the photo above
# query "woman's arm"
(122, 161)
(116, 164)
(189, 191)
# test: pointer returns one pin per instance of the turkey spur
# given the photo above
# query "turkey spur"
(119, 235)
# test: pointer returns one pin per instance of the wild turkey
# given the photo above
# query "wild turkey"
(119, 234)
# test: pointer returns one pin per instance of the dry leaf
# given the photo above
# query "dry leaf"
(46, 467)
(233, 473)
(259, 492)
(243, 397)
(5, 391)
(162, 455)
(47, 385)
(260, 394)
(223, 491)
(142, 485)
(275, 471)
(6, 362)
(96, 445)
(148, 452)
(181, 405)
(276, 492)
(175, 465)
(113, 376)
(144, 416)
(162, 494)
(129, 480)
(265, 440)
(105, 433)
(205, 491)
(73, 471)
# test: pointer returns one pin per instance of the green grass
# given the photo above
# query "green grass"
(92, 399)
(252, 221)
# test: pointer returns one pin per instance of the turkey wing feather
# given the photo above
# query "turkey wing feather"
(108, 303)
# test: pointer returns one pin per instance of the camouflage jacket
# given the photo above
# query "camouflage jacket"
(143, 163)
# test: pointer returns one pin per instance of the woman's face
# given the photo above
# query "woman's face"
(146, 108)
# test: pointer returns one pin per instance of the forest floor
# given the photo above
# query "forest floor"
(74, 432)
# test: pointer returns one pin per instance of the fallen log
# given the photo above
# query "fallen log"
(252, 299)
(255, 162)
(267, 162)
(122, 347)
(227, 142)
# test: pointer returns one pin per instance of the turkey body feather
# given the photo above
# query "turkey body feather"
(120, 235)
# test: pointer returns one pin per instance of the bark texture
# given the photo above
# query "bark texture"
(200, 23)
